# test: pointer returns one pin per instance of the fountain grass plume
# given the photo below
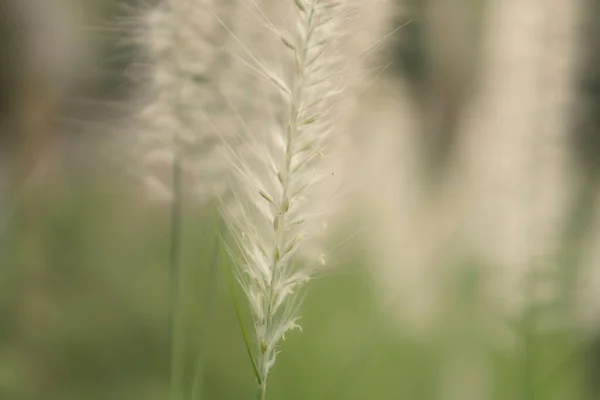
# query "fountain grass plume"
(184, 64)
(277, 205)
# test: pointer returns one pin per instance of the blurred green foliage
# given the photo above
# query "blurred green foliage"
(84, 306)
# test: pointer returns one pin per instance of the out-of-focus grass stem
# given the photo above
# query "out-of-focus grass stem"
(529, 363)
(211, 294)
(174, 263)
(262, 391)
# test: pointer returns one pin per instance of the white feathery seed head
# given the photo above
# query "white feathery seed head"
(279, 207)
(186, 64)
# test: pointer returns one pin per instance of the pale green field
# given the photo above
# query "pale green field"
(85, 315)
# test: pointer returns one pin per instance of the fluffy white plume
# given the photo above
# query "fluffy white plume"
(184, 112)
(278, 207)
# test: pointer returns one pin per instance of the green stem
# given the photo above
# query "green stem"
(174, 260)
(262, 391)
(529, 390)
(211, 294)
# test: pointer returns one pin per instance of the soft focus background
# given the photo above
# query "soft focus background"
(473, 269)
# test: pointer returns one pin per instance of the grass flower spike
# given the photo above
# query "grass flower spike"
(278, 209)
(186, 62)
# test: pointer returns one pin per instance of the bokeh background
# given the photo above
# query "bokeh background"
(471, 264)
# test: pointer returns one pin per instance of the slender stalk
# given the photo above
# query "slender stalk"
(262, 391)
(211, 294)
(174, 261)
(529, 365)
